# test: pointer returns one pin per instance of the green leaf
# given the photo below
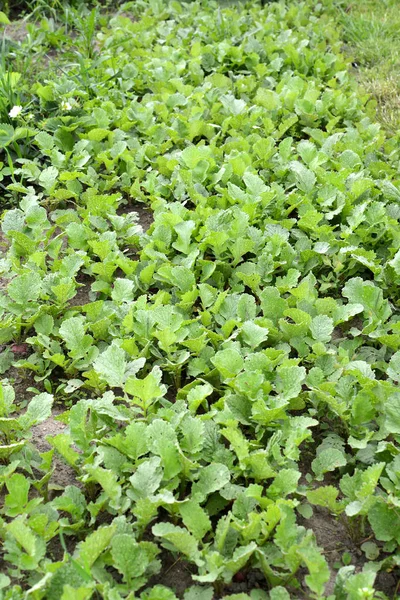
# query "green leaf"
(391, 414)
(4, 19)
(325, 496)
(48, 177)
(39, 409)
(147, 390)
(134, 442)
(363, 581)
(285, 483)
(232, 104)
(197, 395)
(123, 290)
(31, 544)
(158, 592)
(279, 593)
(62, 443)
(17, 498)
(328, 459)
(228, 362)
(147, 478)
(25, 288)
(108, 480)
(211, 478)
(317, 566)
(385, 521)
(88, 551)
(111, 366)
(195, 518)
(321, 328)
(305, 179)
(161, 440)
(273, 305)
(198, 593)
(180, 538)
(130, 559)
(371, 298)
(371, 550)
(253, 335)
(393, 369)
(193, 435)
(97, 134)
(289, 381)
(254, 184)
(192, 155)
(72, 331)
(239, 559)
(184, 231)
(45, 141)
(6, 134)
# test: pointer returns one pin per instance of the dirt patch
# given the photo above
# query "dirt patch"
(334, 539)
(388, 583)
(63, 474)
(22, 380)
(337, 333)
(82, 295)
(145, 215)
(127, 15)
(48, 427)
(48, 59)
(15, 31)
(244, 582)
(4, 245)
(176, 573)
(4, 242)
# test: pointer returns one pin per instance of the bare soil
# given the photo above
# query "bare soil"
(145, 214)
(22, 380)
(15, 31)
(175, 573)
(334, 539)
(63, 474)
(82, 295)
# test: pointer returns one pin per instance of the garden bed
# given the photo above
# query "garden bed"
(199, 313)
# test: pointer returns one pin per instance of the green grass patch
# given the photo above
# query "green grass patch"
(371, 28)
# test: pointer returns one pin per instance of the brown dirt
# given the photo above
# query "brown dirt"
(15, 31)
(175, 573)
(333, 536)
(337, 333)
(63, 474)
(4, 244)
(127, 15)
(21, 380)
(82, 296)
(253, 579)
(145, 214)
(334, 539)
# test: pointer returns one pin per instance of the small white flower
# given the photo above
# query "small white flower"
(29, 117)
(15, 112)
(65, 105)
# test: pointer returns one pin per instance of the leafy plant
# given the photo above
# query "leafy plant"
(231, 360)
